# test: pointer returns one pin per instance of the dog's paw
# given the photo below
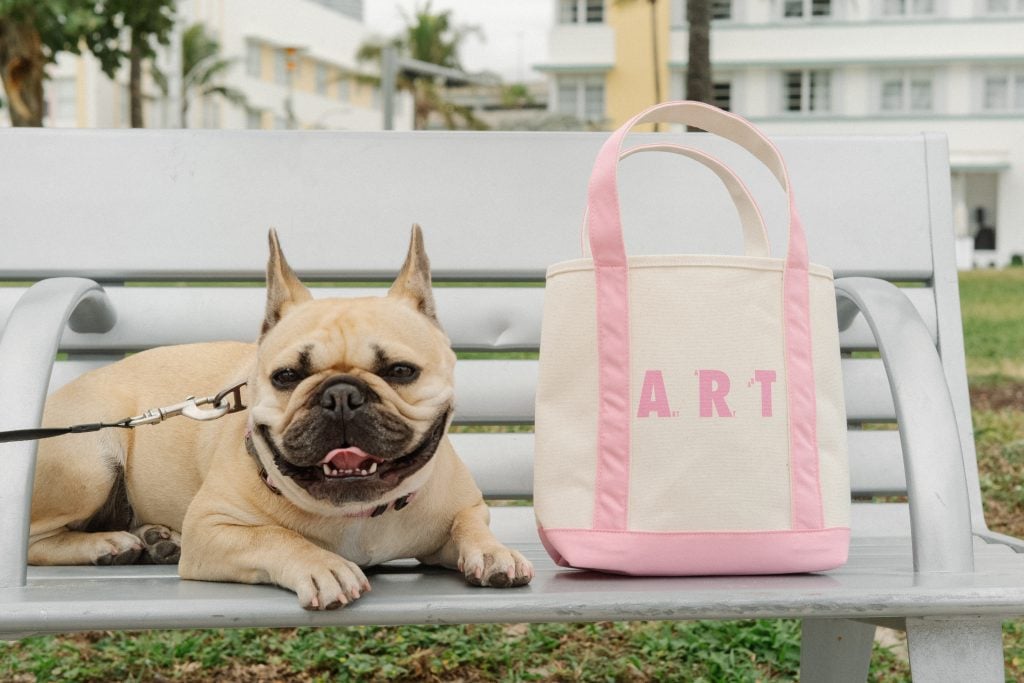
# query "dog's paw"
(496, 566)
(115, 547)
(329, 583)
(162, 545)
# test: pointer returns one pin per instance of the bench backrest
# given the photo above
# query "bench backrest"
(142, 212)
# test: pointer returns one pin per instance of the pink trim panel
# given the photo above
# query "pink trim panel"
(611, 494)
(611, 485)
(805, 482)
(638, 553)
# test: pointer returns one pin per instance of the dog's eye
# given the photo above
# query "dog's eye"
(401, 373)
(286, 378)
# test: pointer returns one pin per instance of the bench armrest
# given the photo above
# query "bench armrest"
(936, 485)
(28, 348)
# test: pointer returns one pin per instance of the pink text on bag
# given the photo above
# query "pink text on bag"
(713, 388)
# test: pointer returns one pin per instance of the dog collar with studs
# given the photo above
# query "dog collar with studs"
(397, 504)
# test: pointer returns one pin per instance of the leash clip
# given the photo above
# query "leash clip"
(224, 403)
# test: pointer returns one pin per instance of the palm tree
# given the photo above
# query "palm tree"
(698, 65)
(433, 38)
(202, 67)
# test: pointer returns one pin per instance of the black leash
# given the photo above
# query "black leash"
(224, 403)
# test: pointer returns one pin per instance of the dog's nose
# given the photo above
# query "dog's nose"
(343, 399)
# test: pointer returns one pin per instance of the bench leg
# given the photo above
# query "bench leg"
(956, 649)
(835, 650)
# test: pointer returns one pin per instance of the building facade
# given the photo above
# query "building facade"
(824, 67)
(294, 61)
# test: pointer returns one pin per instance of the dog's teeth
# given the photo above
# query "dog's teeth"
(363, 473)
(327, 469)
(373, 468)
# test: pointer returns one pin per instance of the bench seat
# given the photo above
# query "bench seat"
(877, 583)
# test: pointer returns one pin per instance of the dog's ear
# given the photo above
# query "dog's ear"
(413, 282)
(284, 289)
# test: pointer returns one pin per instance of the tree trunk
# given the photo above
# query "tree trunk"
(421, 106)
(654, 51)
(654, 56)
(698, 65)
(22, 71)
(135, 81)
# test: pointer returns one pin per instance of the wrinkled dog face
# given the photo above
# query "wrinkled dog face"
(352, 396)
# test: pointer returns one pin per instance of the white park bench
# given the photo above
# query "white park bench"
(109, 224)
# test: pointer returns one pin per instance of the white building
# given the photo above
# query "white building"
(294, 60)
(821, 67)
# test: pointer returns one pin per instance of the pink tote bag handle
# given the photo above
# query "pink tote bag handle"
(755, 233)
(604, 231)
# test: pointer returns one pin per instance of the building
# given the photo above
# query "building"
(293, 60)
(821, 67)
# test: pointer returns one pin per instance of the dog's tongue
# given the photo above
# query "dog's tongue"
(347, 458)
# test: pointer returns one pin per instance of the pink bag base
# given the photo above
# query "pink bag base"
(639, 553)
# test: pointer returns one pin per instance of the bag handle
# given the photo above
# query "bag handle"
(604, 223)
(755, 234)
(611, 274)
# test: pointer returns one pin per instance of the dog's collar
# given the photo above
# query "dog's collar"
(377, 511)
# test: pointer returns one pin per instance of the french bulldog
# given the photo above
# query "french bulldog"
(341, 460)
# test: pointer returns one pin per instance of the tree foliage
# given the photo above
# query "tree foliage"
(435, 38)
(33, 32)
(202, 68)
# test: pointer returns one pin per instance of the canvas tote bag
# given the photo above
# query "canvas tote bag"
(690, 415)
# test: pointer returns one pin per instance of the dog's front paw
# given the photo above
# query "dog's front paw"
(495, 566)
(115, 547)
(328, 583)
(163, 545)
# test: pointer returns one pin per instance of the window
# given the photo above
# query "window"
(211, 113)
(253, 59)
(320, 76)
(580, 11)
(253, 119)
(65, 100)
(808, 91)
(1003, 91)
(721, 10)
(721, 94)
(280, 67)
(908, 8)
(906, 91)
(795, 9)
(1002, 7)
(582, 98)
(344, 88)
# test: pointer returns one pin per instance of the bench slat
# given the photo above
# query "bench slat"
(502, 391)
(476, 319)
(502, 463)
(493, 205)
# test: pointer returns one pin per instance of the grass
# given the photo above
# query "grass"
(625, 651)
(992, 301)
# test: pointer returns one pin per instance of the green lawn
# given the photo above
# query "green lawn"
(711, 651)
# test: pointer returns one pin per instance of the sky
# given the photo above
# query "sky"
(515, 31)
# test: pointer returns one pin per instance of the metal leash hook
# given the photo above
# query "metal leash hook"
(224, 403)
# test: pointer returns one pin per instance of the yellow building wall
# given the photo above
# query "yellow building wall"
(362, 93)
(305, 75)
(267, 63)
(629, 87)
